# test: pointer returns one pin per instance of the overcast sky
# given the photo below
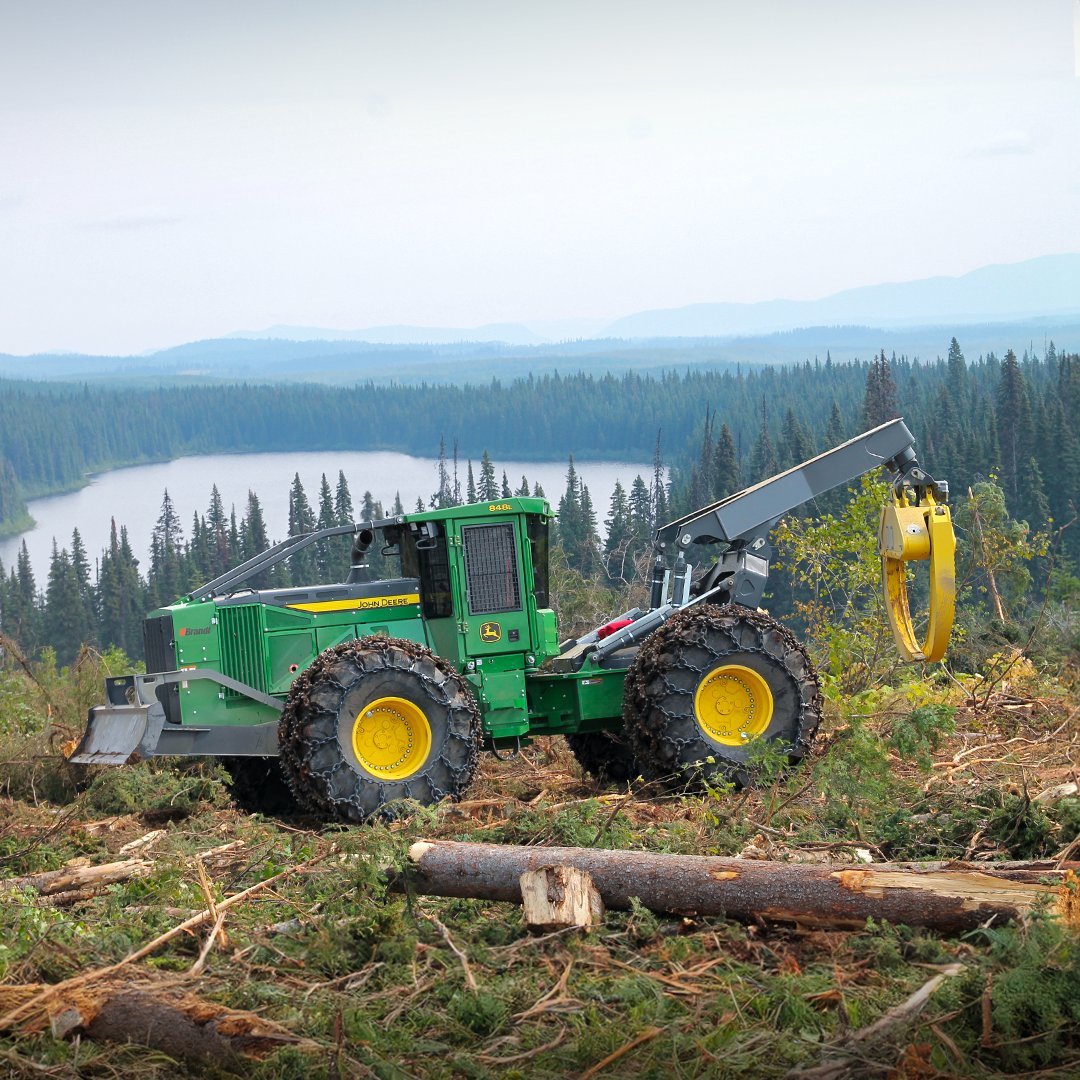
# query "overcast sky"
(178, 171)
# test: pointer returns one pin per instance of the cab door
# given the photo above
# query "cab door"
(495, 617)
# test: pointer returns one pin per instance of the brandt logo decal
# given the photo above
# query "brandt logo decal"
(187, 631)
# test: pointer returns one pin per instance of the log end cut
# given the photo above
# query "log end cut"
(558, 898)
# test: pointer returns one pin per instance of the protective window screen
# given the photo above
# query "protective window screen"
(491, 568)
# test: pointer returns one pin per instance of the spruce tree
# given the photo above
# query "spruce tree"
(217, 527)
(879, 402)
(1014, 426)
(302, 566)
(343, 504)
(167, 572)
(794, 443)
(618, 561)
(725, 465)
(64, 625)
(331, 553)
(488, 488)
(658, 493)
(763, 462)
(470, 485)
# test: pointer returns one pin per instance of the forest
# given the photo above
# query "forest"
(1000, 429)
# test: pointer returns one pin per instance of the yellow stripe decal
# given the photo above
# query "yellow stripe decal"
(367, 603)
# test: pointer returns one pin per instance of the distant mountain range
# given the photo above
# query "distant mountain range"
(990, 309)
(1042, 287)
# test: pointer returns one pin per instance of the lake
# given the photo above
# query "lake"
(133, 495)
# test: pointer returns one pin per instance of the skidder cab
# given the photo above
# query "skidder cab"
(348, 697)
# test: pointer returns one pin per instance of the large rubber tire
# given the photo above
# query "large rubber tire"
(430, 711)
(605, 755)
(257, 786)
(711, 682)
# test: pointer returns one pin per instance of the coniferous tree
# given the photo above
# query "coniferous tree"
(217, 526)
(22, 612)
(879, 402)
(725, 465)
(443, 496)
(488, 488)
(343, 504)
(80, 565)
(568, 527)
(658, 493)
(763, 463)
(1014, 426)
(121, 595)
(523, 490)
(588, 559)
(470, 485)
(303, 569)
(64, 625)
(794, 443)
(167, 572)
(331, 554)
(619, 547)
(504, 491)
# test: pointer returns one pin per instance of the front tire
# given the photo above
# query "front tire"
(713, 684)
(376, 721)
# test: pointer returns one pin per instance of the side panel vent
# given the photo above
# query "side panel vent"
(243, 656)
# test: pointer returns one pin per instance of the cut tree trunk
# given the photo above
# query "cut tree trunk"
(957, 898)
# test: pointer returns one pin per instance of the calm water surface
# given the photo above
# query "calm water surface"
(133, 496)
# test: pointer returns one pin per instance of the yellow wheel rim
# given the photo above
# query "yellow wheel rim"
(733, 705)
(391, 738)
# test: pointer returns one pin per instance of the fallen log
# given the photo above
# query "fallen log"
(954, 899)
(77, 877)
(159, 1017)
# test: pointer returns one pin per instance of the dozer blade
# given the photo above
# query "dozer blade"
(910, 533)
(112, 736)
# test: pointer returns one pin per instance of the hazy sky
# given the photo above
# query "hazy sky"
(177, 171)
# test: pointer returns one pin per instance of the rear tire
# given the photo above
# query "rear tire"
(376, 721)
(607, 756)
(710, 684)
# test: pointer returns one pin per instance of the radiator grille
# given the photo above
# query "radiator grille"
(240, 632)
(491, 568)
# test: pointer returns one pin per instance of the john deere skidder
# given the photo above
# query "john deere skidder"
(367, 692)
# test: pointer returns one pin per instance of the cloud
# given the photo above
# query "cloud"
(1005, 142)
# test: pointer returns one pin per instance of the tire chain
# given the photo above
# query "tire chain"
(364, 656)
(749, 632)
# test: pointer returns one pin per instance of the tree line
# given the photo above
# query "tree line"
(1007, 421)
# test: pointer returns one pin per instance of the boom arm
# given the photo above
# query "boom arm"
(742, 522)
